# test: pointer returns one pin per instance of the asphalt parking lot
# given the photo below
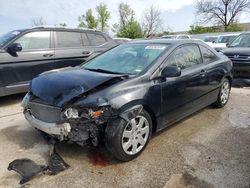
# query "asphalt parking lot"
(209, 149)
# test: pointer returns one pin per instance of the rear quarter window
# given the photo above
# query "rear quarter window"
(208, 55)
(96, 39)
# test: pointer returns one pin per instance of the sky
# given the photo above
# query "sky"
(176, 15)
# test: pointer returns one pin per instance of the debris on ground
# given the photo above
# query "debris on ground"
(28, 168)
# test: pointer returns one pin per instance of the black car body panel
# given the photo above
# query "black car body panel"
(166, 100)
(17, 69)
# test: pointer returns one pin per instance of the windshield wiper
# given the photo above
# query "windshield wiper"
(105, 71)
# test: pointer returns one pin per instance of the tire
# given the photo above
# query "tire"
(126, 140)
(223, 95)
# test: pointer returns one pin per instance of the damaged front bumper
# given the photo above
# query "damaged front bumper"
(84, 127)
(60, 130)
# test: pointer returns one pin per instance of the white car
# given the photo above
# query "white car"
(219, 42)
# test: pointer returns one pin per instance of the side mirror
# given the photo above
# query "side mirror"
(227, 45)
(171, 71)
(15, 47)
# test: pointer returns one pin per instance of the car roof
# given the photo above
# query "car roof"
(165, 41)
(58, 29)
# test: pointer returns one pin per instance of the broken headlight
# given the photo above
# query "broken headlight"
(71, 113)
(95, 114)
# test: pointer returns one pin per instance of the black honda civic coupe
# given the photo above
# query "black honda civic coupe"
(123, 96)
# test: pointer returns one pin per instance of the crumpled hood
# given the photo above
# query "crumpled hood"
(58, 87)
(236, 51)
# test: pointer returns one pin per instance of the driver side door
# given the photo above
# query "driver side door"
(179, 94)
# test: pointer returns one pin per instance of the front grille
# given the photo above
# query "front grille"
(238, 57)
(46, 113)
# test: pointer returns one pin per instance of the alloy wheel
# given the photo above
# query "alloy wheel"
(135, 135)
(224, 95)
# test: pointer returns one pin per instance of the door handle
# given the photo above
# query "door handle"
(86, 53)
(47, 55)
(203, 73)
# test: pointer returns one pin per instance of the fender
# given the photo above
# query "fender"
(131, 113)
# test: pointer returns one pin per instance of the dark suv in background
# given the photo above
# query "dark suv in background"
(26, 53)
(239, 53)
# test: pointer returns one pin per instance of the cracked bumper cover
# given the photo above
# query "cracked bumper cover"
(61, 130)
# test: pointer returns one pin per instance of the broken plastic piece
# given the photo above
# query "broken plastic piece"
(56, 163)
(26, 168)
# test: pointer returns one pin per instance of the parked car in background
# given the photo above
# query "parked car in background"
(176, 37)
(221, 42)
(124, 95)
(239, 52)
(26, 53)
(211, 39)
(122, 40)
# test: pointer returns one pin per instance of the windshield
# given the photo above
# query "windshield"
(126, 59)
(241, 41)
(226, 39)
(7, 37)
(210, 39)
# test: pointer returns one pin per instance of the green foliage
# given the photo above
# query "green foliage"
(88, 20)
(201, 29)
(128, 27)
(103, 15)
(132, 30)
(234, 28)
(214, 29)
(167, 33)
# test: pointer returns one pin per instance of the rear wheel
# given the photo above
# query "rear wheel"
(126, 140)
(223, 94)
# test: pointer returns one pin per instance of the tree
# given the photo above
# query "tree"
(151, 21)
(222, 12)
(88, 20)
(103, 16)
(128, 27)
(133, 30)
(38, 22)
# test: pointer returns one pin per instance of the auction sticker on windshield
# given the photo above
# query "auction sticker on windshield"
(155, 47)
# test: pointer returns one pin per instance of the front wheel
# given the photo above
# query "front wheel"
(126, 140)
(223, 94)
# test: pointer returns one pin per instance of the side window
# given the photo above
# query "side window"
(185, 57)
(66, 39)
(208, 55)
(35, 40)
(96, 39)
(85, 39)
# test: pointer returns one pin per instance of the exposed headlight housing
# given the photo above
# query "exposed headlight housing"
(71, 113)
(95, 114)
